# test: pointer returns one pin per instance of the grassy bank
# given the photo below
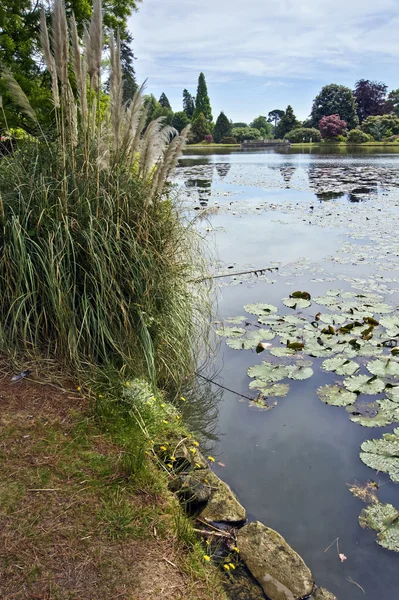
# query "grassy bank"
(346, 145)
(85, 510)
(205, 145)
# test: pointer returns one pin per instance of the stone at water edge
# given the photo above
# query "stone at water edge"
(323, 594)
(223, 505)
(280, 571)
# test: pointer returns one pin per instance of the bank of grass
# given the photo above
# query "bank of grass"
(85, 511)
(345, 145)
(206, 145)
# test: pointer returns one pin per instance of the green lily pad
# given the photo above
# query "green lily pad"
(383, 518)
(340, 365)
(296, 303)
(382, 454)
(277, 390)
(282, 351)
(388, 413)
(235, 320)
(336, 395)
(384, 368)
(332, 319)
(251, 339)
(300, 372)
(392, 393)
(231, 332)
(260, 309)
(268, 372)
(363, 384)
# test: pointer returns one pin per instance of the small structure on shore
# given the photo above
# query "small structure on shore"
(265, 143)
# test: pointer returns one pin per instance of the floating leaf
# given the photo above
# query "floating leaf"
(268, 372)
(300, 372)
(392, 393)
(296, 303)
(388, 413)
(231, 332)
(382, 454)
(277, 390)
(235, 320)
(363, 384)
(384, 368)
(251, 339)
(366, 493)
(301, 295)
(260, 309)
(341, 366)
(336, 395)
(383, 518)
(282, 351)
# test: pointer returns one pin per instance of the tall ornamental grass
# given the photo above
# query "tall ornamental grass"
(95, 262)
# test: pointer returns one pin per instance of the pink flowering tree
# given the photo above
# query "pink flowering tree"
(332, 126)
(208, 138)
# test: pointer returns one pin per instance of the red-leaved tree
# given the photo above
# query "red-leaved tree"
(331, 126)
(208, 138)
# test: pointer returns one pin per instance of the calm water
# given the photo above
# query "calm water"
(326, 221)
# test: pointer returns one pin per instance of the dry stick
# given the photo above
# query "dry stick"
(336, 540)
(45, 490)
(354, 583)
(224, 388)
(170, 563)
(209, 525)
(261, 271)
(213, 533)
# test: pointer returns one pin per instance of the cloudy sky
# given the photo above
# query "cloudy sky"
(258, 55)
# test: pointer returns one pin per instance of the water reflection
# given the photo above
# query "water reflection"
(222, 169)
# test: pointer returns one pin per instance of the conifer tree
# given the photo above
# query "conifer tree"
(202, 102)
(200, 128)
(163, 101)
(222, 128)
(287, 123)
(188, 103)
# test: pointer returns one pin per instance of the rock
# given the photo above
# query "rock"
(223, 505)
(191, 490)
(280, 571)
(323, 594)
(186, 460)
(242, 586)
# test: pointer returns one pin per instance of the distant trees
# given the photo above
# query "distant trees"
(381, 126)
(357, 136)
(265, 128)
(199, 128)
(245, 133)
(287, 123)
(335, 100)
(202, 102)
(163, 101)
(393, 102)
(222, 128)
(274, 117)
(303, 134)
(180, 120)
(331, 127)
(371, 98)
(188, 103)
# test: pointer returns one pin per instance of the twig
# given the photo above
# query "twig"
(354, 583)
(209, 525)
(336, 540)
(224, 388)
(45, 490)
(170, 563)
(256, 271)
(213, 533)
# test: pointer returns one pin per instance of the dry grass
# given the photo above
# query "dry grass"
(97, 535)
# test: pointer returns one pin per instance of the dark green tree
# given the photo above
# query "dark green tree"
(335, 100)
(129, 76)
(274, 117)
(163, 101)
(188, 103)
(265, 127)
(199, 128)
(287, 123)
(222, 128)
(202, 102)
(393, 102)
(180, 120)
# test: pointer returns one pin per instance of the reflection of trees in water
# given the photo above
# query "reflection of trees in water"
(222, 169)
(201, 181)
(355, 182)
(287, 172)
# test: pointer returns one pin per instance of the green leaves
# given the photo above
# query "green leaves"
(340, 365)
(382, 454)
(260, 309)
(363, 384)
(250, 340)
(296, 303)
(383, 518)
(384, 368)
(336, 395)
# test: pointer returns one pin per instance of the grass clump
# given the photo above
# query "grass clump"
(94, 258)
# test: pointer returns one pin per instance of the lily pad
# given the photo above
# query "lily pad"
(363, 384)
(388, 413)
(235, 320)
(333, 319)
(341, 366)
(393, 393)
(251, 339)
(384, 368)
(282, 351)
(382, 454)
(277, 390)
(336, 395)
(231, 332)
(260, 309)
(300, 372)
(383, 518)
(268, 372)
(296, 303)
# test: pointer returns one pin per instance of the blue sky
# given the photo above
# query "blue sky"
(259, 55)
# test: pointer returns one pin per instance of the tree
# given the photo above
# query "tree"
(287, 123)
(188, 103)
(381, 126)
(180, 120)
(245, 133)
(222, 128)
(335, 100)
(234, 125)
(393, 102)
(129, 76)
(264, 126)
(303, 134)
(202, 102)
(274, 117)
(199, 128)
(163, 101)
(332, 126)
(371, 98)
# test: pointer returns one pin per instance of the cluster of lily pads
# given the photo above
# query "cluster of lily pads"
(356, 335)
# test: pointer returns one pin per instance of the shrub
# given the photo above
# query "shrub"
(208, 138)
(303, 134)
(331, 126)
(94, 259)
(245, 133)
(341, 138)
(229, 140)
(357, 136)
(379, 126)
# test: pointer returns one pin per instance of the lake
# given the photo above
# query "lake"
(327, 224)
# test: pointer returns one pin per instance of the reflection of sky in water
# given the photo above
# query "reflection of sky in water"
(290, 465)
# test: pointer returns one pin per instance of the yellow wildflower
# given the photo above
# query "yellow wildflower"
(231, 566)
(211, 458)
(207, 558)
(165, 421)
(198, 465)
(162, 405)
(100, 395)
(193, 450)
(172, 459)
(182, 399)
(235, 549)
(163, 448)
(196, 444)
(78, 388)
(169, 466)
(226, 567)
(127, 384)
(178, 417)
(153, 398)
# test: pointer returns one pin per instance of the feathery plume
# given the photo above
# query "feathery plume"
(49, 58)
(94, 45)
(18, 94)
(60, 41)
(79, 66)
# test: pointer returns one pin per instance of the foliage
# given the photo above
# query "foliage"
(382, 454)
(287, 123)
(229, 140)
(188, 103)
(202, 102)
(208, 138)
(393, 102)
(274, 117)
(371, 98)
(199, 129)
(129, 77)
(234, 125)
(155, 110)
(332, 126)
(335, 100)
(222, 128)
(245, 133)
(381, 126)
(264, 126)
(357, 136)
(180, 120)
(303, 134)
(383, 518)
(94, 260)
(163, 101)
